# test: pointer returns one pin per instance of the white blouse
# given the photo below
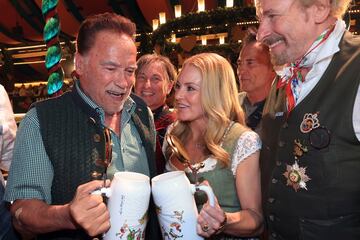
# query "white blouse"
(248, 143)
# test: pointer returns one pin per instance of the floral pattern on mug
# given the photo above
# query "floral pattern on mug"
(134, 232)
(175, 227)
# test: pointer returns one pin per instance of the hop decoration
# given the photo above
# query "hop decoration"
(51, 38)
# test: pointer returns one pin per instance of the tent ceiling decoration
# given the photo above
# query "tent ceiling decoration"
(53, 53)
(214, 24)
(23, 49)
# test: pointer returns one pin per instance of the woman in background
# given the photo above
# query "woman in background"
(210, 125)
(155, 77)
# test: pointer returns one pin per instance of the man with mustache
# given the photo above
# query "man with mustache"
(314, 192)
(66, 143)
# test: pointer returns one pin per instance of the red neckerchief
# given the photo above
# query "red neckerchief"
(298, 73)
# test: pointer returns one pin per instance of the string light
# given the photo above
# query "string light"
(162, 17)
(201, 5)
(155, 24)
(222, 39)
(173, 38)
(203, 40)
(177, 11)
(229, 3)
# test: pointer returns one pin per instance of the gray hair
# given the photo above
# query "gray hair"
(337, 7)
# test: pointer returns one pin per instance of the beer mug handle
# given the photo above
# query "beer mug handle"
(207, 189)
(103, 192)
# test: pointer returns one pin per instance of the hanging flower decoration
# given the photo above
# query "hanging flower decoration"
(51, 38)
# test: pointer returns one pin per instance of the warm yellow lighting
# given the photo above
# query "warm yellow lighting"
(229, 3)
(203, 40)
(38, 83)
(155, 23)
(177, 11)
(34, 62)
(26, 47)
(354, 11)
(32, 46)
(173, 38)
(162, 17)
(247, 23)
(201, 5)
(29, 54)
(222, 39)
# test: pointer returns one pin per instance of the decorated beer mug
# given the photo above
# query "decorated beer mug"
(176, 208)
(129, 195)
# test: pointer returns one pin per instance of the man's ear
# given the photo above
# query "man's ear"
(79, 63)
(321, 11)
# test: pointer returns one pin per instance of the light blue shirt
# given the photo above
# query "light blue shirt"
(31, 172)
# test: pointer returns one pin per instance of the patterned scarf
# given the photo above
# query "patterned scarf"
(295, 74)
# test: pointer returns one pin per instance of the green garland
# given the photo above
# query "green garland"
(220, 20)
(217, 18)
(53, 53)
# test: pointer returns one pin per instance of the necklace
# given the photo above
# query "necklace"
(202, 146)
(226, 132)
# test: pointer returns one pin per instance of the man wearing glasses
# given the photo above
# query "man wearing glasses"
(65, 143)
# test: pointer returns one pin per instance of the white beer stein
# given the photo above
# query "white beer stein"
(176, 208)
(128, 203)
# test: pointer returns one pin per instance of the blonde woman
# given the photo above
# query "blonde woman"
(211, 127)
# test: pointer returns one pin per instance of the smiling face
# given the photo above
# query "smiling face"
(287, 28)
(188, 95)
(107, 70)
(153, 85)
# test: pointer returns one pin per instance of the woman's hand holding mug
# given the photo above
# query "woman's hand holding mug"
(176, 208)
(211, 220)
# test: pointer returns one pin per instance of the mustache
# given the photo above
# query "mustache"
(268, 41)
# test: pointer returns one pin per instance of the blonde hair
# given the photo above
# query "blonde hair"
(338, 7)
(219, 99)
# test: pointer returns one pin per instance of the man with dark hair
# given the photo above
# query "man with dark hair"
(311, 120)
(63, 143)
(256, 74)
